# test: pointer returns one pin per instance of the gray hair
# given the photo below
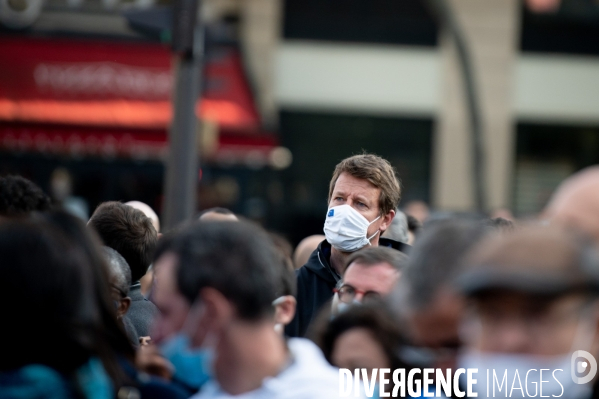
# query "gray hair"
(398, 230)
(435, 259)
(118, 269)
(373, 255)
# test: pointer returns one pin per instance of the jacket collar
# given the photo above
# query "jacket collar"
(320, 260)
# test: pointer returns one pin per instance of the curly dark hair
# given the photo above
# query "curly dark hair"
(376, 317)
(19, 197)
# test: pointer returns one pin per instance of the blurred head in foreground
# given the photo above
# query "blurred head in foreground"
(575, 203)
(58, 324)
(425, 296)
(213, 280)
(365, 336)
(218, 285)
(532, 302)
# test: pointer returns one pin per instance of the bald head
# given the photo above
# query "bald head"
(118, 270)
(149, 212)
(575, 203)
(305, 248)
(218, 215)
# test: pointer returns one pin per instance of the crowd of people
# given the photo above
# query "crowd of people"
(218, 307)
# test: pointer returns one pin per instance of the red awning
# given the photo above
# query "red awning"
(122, 142)
(113, 84)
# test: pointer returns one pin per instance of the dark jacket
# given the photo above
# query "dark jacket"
(141, 313)
(315, 283)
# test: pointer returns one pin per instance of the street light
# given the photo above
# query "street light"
(183, 160)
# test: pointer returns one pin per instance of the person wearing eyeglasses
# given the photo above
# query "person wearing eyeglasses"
(371, 274)
(532, 310)
(119, 276)
(363, 194)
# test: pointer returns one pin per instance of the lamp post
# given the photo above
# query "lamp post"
(183, 160)
(445, 15)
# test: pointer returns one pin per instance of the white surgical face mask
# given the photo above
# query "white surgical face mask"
(346, 229)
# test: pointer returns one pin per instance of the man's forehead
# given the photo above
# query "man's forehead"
(355, 194)
(358, 269)
(350, 184)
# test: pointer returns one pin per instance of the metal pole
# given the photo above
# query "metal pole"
(183, 161)
(448, 20)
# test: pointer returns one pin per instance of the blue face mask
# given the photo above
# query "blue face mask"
(193, 366)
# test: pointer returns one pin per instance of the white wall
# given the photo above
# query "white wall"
(363, 78)
(410, 81)
(407, 80)
(557, 89)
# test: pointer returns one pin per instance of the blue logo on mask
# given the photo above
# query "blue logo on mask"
(331, 213)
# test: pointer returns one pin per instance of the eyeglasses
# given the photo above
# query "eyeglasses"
(347, 294)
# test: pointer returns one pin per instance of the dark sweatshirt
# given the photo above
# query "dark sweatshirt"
(315, 283)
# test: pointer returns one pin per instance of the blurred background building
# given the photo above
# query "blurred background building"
(292, 87)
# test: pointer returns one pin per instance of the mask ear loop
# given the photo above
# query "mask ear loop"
(376, 232)
(190, 325)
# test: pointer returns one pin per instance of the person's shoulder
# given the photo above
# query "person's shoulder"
(309, 362)
(144, 310)
(135, 293)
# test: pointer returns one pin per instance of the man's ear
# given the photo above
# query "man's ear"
(123, 308)
(386, 220)
(285, 310)
(215, 314)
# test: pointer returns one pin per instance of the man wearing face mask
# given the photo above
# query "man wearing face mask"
(363, 195)
(219, 332)
(533, 302)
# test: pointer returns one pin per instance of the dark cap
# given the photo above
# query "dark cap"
(534, 260)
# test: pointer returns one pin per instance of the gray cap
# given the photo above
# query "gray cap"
(535, 260)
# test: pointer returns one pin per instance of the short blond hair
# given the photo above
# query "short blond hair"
(378, 172)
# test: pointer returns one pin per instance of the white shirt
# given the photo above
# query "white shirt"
(309, 376)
